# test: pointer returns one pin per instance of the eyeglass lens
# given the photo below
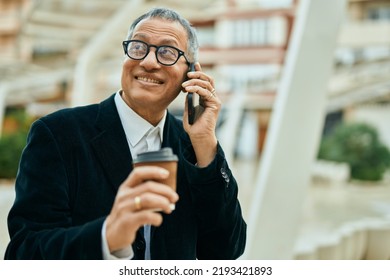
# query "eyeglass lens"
(165, 54)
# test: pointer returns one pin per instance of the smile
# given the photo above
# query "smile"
(148, 80)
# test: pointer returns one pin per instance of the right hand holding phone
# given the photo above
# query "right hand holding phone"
(202, 131)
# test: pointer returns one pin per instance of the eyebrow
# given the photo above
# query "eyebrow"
(168, 42)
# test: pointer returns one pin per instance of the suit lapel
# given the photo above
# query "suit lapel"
(110, 144)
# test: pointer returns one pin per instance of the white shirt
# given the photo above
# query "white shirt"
(141, 137)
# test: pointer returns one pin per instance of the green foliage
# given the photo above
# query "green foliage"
(358, 145)
(11, 147)
(12, 144)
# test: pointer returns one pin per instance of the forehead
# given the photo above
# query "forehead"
(161, 31)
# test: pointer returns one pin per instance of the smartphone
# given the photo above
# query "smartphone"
(190, 100)
(195, 107)
(191, 108)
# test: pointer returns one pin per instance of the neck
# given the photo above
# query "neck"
(149, 113)
(151, 117)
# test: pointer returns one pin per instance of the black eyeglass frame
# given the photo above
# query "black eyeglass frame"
(126, 43)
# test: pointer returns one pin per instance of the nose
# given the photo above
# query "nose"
(150, 61)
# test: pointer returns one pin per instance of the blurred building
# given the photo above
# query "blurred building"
(360, 87)
(243, 44)
(61, 53)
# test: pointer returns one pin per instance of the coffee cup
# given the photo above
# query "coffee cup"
(164, 158)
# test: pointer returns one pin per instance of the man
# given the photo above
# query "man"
(75, 198)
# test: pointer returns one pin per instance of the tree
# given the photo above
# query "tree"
(357, 144)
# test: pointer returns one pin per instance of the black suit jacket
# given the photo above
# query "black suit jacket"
(73, 163)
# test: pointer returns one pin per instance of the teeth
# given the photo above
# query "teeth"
(148, 80)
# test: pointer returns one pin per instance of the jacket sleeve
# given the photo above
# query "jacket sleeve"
(222, 230)
(40, 221)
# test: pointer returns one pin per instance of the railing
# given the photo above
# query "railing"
(368, 238)
(229, 131)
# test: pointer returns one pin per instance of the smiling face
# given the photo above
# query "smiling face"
(147, 86)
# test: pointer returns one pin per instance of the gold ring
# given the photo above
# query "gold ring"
(137, 203)
(212, 93)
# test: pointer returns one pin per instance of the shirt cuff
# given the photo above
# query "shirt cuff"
(123, 254)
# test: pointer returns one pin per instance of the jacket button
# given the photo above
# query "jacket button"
(225, 176)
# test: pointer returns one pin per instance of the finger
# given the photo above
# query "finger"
(144, 173)
(152, 202)
(206, 94)
(155, 188)
(121, 231)
(198, 67)
(197, 82)
(198, 74)
(148, 218)
(194, 77)
(126, 198)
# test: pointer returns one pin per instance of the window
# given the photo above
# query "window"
(379, 13)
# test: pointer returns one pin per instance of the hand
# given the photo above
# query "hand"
(135, 204)
(202, 132)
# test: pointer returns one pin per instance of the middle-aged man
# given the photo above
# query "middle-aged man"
(77, 194)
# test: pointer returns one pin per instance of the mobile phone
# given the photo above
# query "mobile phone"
(191, 108)
(190, 100)
(195, 107)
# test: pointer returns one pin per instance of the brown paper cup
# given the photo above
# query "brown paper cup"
(171, 166)
(163, 158)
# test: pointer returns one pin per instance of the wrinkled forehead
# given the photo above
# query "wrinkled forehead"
(163, 25)
(161, 31)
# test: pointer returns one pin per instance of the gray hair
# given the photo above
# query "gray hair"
(171, 15)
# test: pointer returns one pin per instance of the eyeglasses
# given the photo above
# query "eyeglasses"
(165, 55)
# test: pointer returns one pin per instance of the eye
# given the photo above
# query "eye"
(137, 48)
(168, 52)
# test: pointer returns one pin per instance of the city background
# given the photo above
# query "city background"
(306, 106)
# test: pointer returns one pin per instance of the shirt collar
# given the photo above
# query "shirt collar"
(134, 125)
